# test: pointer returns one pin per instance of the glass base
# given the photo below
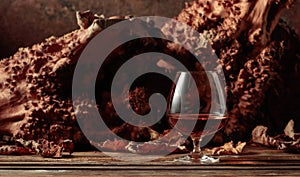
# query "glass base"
(202, 159)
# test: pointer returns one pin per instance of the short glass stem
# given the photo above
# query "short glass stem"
(196, 153)
(196, 144)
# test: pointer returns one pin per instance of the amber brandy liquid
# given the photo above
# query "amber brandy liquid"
(196, 124)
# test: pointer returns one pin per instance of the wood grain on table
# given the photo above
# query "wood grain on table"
(254, 161)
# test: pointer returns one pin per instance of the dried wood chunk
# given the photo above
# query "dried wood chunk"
(35, 84)
(227, 149)
(259, 135)
(255, 48)
(289, 141)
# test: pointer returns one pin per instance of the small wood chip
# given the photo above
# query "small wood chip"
(227, 149)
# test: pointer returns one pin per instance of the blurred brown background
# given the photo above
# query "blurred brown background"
(26, 22)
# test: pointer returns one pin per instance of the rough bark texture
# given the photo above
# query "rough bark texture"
(35, 85)
(259, 55)
(36, 106)
(257, 51)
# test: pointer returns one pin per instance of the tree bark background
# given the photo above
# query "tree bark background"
(26, 22)
(31, 21)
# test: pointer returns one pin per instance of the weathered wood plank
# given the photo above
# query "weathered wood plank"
(255, 161)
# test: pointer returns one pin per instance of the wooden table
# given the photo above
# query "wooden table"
(254, 161)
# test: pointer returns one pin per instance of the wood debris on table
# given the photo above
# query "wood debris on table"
(289, 141)
(171, 143)
(227, 149)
